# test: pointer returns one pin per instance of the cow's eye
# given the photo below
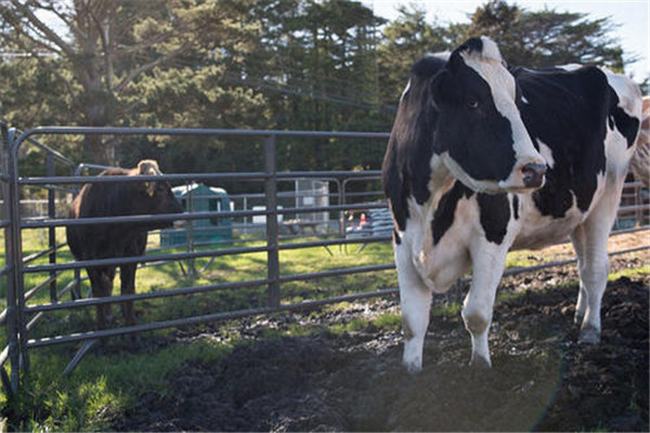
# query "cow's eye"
(472, 103)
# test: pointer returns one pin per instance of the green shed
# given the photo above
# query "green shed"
(198, 197)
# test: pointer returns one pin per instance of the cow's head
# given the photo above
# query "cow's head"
(155, 197)
(480, 136)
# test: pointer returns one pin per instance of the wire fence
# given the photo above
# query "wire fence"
(336, 204)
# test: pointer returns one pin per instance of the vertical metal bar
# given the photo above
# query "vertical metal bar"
(191, 268)
(344, 200)
(340, 201)
(18, 260)
(15, 298)
(272, 231)
(51, 213)
(11, 323)
(245, 208)
(75, 290)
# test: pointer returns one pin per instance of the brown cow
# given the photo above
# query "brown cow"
(101, 241)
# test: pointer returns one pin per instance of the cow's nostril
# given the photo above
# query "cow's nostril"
(533, 174)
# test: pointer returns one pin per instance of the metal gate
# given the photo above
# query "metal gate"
(20, 317)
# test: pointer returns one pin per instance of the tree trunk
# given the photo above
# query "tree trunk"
(97, 108)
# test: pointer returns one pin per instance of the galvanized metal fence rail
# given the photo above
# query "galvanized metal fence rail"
(20, 317)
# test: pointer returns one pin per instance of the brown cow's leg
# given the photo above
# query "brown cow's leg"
(101, 280)
(127, 277)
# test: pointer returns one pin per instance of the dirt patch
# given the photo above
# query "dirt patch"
(616, 242)
(541, 379)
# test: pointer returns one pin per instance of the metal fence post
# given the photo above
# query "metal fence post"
(13, 248)
(189, 231)
(75, 290)
(51, 213)
(271, 202)
(11, 323)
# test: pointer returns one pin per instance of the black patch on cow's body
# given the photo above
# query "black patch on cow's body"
(627, 125)
(443, 217)
(494, 212)
(406, 170)
(567, 111)
(515, 206)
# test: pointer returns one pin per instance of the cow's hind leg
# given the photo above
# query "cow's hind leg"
(578, 239)
(488, 261)
(415, 302)
(594, 262)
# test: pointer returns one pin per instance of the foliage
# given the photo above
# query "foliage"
(406, 39)
(285, 64)
(547, 37)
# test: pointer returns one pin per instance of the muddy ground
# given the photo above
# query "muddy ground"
(540, 380)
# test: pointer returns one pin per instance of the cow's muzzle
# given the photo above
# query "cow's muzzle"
(533, 175)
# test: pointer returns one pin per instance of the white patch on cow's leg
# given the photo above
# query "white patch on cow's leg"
(593, 274)
(488, 261)
(578, 240)
(415, 302)
(594, 280)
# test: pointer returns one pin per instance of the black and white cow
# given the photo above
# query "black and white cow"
(483, 159)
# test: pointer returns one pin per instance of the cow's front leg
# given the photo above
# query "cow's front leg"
(488, 261)
(102, 286)
(415, 302)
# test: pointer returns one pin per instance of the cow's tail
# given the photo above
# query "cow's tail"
(640, 164)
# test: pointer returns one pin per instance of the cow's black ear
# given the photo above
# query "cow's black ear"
(440, 88)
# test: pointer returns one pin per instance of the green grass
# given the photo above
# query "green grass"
(111, 378)
(630, 273)
(102, 387)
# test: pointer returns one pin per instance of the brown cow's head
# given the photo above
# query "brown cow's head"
(155, 197)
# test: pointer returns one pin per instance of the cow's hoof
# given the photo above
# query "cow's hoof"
(412, 367)
(479, 363)
(589, 335)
